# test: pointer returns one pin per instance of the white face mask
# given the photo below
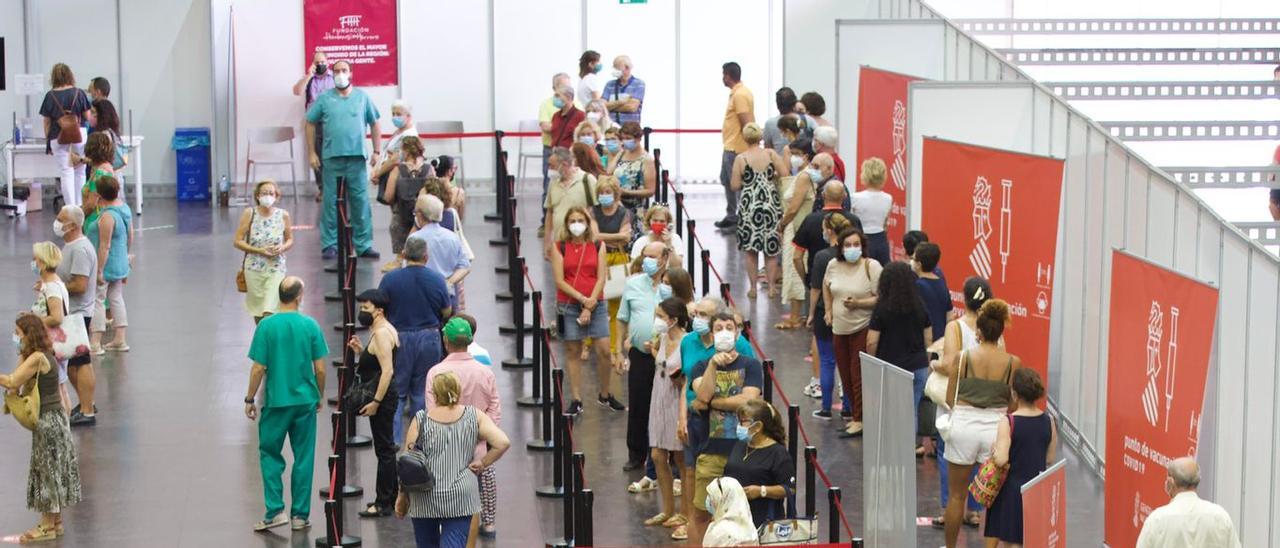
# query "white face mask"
(59, 228)
(796, 163)
(617, 74)
(577, 228)
(266, 201)
(595, 116)
(661, 327)
(342, 79)
(725, 340)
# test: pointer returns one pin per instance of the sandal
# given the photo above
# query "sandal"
(657, 520)
(677, 520)
(788, 324)
(939, 522)
(973, 520)
(39, 533)
(372, 511)
(680, 533)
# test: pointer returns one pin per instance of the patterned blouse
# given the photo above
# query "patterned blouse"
(264, 232)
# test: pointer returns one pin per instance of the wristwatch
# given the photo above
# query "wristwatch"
(249, 400)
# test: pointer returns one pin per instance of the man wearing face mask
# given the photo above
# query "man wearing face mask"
(809, 238)
(635, 318)
(1187, 520)
(546, 111)
(339, 117)
(624, 93)
(316, 79)
(721, 385)
(78, 268)
(402, 119)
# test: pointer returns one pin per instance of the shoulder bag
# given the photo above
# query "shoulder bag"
(411, 465)
(242, 285)
(68, 122)
(69, 338)
(935, 387)
(24, 404)
(990, 478)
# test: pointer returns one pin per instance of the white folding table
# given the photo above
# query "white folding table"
(28, 161)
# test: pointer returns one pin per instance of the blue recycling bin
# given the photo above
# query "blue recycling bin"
(191, 148)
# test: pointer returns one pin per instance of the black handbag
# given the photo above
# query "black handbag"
(359, 395)
(411, 465)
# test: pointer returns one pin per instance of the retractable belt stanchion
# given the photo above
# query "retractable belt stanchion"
(666, 189)
(347, 373)
(724, 292)
(515, 282)
(519, 296)
(546, 443)
(585, 534)
(508, 212)
(499, 168)
(706, 268)
(690, 255)
(534, 362)
(679, 207)
(522, 329)
(810, 485)
(833, 510)
(560, 452)
(768, 374)
(657, 175)
(513, 250)
(647, 131)
(340, 196)
(338, 461)
(793, 443)
(569, 502)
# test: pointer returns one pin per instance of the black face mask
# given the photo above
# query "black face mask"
(365, 318)
(320, 68)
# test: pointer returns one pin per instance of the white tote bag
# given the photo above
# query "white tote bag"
(615, 281)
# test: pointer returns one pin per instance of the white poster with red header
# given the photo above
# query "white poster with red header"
(1158, 349)
(1044, 509)
(882, 133)
(362, 32)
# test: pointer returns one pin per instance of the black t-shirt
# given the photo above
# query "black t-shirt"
(765, 466)
(809, 235)
(72, 100)
(937, 303)
(818, 276)
(901, 336)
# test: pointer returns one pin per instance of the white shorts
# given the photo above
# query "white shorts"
(973, 432)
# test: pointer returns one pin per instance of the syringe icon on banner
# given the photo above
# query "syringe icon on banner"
(1006, 226)
(1170, 364)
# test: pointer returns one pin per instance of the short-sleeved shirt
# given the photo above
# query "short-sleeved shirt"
(713, 432)
(901, 336)
(445, 253)
(288, 344)
(545, 111)
(562, 126)
(857, 280)
(693, 351)
(615, 91)
(818, 276)
(317, 85)
(417, 294)
(765, 466)
(344, 120)
(561, 197)
(740, 102)
(937, 303)
(639, 303)
(80, 259)
(71, 100)
(809, 237)
(588, 87)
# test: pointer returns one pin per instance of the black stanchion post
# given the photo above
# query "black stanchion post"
(810, 483)
(793, 442)
(768, 380)
(706, 267)
(833, 528)
(508, 218)
(519, 296)
(546, 443)
(572, 486)
(690, 256)
(666, 185)
(559, 454)
(515, 284)
(679, 207)
(724, 292)
(513, 251)
(855, 543)
(499, 167)
(534, 399)
(584, 536)
(339, 459)
(521, 362)
(647, 132)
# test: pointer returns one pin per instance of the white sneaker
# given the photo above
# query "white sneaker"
(641, 486)
(278, 520)
(813, 389)
(298, 524)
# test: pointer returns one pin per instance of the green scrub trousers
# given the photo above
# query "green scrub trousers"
(355, 170)
(299, 423)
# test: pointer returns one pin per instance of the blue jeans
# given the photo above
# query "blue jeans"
(419, 351)
(441, 532)
(917, 392)
(943, 474)
(355, 170)
(827, 373)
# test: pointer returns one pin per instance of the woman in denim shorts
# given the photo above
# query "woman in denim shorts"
(578, 264)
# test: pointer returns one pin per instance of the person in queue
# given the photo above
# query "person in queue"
(797, 201)
(936, 297)
(612, 145)
(814, 107)
(849, 296)
(53, 479)
(404, 182)
(1027, 444)
(785, 99)
(586, 158)
(659, 227)
(624, 94)
(338, 118)
(598, 114)
(827, 140)
(418, 302)
(978, 395)
(65, 99)
(588, 133)
(316, 79)
(760, 461)
(872, 205)
(112, 236)
(634, 169)
(756, 174)
(99, 156)
(52, 301)
(613, 229)
(107, 121)
(730, 515)
(446, 168)
(375, 368)
(479, 389)
(739, 112)
(78, 268)
(402, 121)
(578, 266)
(590, 83)
(547, 111)
(99, 88)
(288, 352)
(566, 119)
(1187, 520)
(721, 385)
(798, 150)
(636, 318)
(670, 324)
(901, 330)
(445, 252)
(570, 187)
(448, 435)
(265, 234)
(832, 225)
(676, 282)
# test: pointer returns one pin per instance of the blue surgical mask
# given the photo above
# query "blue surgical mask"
(611, 145)
(605, 200)
(710, 506)
(587, 140)
(629, 145)
(599, 67)
(852, 254)
(35, 267)
(664, 291)
(815, 175)
(17, 341)
(744, 432)
(649, 265)
(397, 121)
(701, 326)
(557, 102)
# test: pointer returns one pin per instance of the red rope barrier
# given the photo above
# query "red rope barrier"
(678, 130)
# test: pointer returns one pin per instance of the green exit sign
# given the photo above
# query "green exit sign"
(624, 2)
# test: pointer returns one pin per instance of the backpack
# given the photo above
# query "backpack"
(408, 185)
(68, 122)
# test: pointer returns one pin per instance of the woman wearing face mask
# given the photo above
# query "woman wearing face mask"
(264, 235)
(671, 322)
(578, 266)
(588, 133)
(613, 224)
(53, 482)
(634, 168)
(611, 146)
(404, 182)
(849, 295)
(760, 461)
(832, 225)
(756, 173)
(590, 84)
(374, 370)
(402, 119)
(445, 168)
(731, 523)
(658, 228)
(795, 128)
(598, 114)
(872, 205)
(797, 196)
(51, 300)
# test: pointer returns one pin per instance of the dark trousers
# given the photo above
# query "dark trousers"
(420, 350)
(382, 425)
(639, 393)
(849, 365)
(878, 247)
(319, 144)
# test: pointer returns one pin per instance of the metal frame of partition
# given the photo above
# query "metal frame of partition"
(1216, 91)
(1206, 130)
(1117, 26)
(1225, 177)
(1263, 233)
(1141, 56)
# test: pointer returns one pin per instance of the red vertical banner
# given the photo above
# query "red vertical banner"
(1044, 509)
(362, 32)
(1158, 352)
(882, 133)
(994, 213)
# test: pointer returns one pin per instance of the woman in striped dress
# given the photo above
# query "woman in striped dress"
(450, 432)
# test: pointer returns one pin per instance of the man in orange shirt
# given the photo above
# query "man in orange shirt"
(740, 112)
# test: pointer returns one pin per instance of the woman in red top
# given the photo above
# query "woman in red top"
(579, 266)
